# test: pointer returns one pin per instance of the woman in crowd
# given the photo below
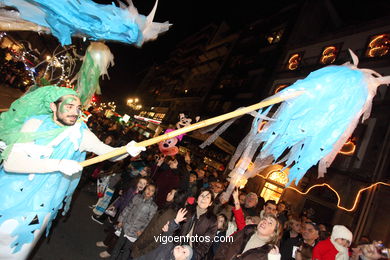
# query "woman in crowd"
(246, 243)
(201, 222)
(146, 242)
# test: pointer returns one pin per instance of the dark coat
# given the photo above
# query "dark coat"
(166, 179)
(232, 250)
(163, 251)
(287, 245)
(205, 226)
(124, 200)
(146, 242)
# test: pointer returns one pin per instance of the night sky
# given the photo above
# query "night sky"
(188, 16)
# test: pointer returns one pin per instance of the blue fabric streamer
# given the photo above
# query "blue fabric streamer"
(67, 18)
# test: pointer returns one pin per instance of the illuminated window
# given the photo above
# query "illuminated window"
(275, 37)
(273, 188)
(279, 87)
(378, 45)
(329, 55)
(348, 148)
(294, 61)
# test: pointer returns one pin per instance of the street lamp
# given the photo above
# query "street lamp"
(133, 103)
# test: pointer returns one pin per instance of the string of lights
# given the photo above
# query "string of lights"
(241, 183)
(337, 194)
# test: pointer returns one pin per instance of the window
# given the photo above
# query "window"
(349, 147)
(273, 188)
(329, 55)
(378, 45)
(294, 61)
(275, 36)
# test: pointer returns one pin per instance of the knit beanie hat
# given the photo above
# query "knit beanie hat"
(340, 231)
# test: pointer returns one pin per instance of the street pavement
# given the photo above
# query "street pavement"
(74, 236)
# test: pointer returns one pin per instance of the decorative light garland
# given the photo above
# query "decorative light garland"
(332, 189)
(338, 196)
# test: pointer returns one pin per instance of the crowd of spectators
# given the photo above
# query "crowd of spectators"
(151, 196)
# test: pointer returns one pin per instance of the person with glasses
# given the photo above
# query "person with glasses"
(310, 233)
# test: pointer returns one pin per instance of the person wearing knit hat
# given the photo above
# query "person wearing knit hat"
(45, 141)
(336, 247)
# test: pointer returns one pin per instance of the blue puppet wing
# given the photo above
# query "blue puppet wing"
(311, 128)
(308, 126)
(67, 18)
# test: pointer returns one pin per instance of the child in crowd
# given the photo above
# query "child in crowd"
(132, 222)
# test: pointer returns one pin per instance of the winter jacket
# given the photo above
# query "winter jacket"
(240, 219)
(233, 250)
(287, 246)
(166, 179)
(146, 242)
(325, 250)
(205, 226)
(137, 215)
(163, 251)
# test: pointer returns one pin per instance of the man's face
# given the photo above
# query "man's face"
(309, 232)
(67, 111)
(217, 187)
(250, 201)
(270, 209)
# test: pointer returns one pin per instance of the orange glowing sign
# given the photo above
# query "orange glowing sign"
(280, 87)
(348, 148)
(379, 45)
(329, 55)
(294, 61)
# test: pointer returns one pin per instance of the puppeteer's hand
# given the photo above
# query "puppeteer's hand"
(133, 150)
(69, 167)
